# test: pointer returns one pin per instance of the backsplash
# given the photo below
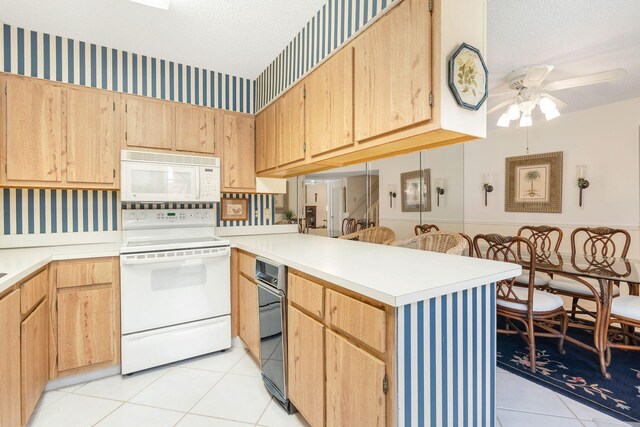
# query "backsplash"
(47, 211)
(332, 26)
(45, 56)
(256, 203)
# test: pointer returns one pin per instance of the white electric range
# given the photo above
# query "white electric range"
(175, 287)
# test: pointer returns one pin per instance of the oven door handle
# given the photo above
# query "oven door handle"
(132, 260)
(270, 289)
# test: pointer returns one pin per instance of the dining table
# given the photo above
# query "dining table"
(600, 274)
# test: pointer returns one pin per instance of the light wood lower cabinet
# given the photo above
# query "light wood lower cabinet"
(10, 360)
(35, 357)
(249, 322)
(355, 380)
(306, 365)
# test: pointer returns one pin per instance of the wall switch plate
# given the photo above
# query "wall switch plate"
(256, 214)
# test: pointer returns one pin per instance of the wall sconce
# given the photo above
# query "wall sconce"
(392, 195)
(582, 181)
(487, 187)
(439, 189)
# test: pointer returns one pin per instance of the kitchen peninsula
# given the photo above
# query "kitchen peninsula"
(406, 337)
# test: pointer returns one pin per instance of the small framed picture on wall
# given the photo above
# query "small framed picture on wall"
(234, 209)
(534, 183)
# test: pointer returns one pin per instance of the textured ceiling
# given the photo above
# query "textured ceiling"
(239, 37)
(576, 36)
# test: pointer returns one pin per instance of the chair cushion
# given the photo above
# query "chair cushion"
(626, 306)
(542, 301)
(541, 279)
(568, 285)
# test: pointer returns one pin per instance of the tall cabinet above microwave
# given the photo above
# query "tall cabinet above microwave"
(161, 177)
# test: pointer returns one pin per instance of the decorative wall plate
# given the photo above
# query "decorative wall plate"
(468, 77)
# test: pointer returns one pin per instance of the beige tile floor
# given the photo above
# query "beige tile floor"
(225, 389)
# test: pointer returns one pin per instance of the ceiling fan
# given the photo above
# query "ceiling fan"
(527, 88)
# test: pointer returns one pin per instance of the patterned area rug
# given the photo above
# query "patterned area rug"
(577, 373)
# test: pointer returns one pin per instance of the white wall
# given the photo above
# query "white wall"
(604, 138)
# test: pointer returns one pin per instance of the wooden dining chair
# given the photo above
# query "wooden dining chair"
(469, 244)
(425, 228)
(437, 241)
(361, 224)
(380, 235)
(597, 244)
(545, 239)
(536, 310)
(625, 310)
(348, 225)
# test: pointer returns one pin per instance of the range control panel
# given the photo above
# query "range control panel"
(157, 218)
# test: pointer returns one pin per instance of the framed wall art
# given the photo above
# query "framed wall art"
(468, 77)
(416, 191)
(533, 183)
(234, 209)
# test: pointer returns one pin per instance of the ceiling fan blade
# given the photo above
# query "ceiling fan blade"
(589, 79)
(500, 106)
(559, 103)
(536, 75)
(511, 93)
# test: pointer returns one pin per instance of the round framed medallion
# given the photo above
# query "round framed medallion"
(468, 77)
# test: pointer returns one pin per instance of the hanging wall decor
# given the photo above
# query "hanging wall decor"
(468, 77)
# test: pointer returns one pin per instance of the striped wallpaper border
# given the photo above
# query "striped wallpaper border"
(141, 206)
(51, 211)
(456, 387)
(333, 25)
(256, 202)
(49, 57)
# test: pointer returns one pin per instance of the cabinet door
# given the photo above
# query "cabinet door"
(392, 71)
(85, 327)
(290, 126)
(194, 129)
(355, 395)
(249, 323)
(10, 360)
(33, 131)
(266, 139)
(35, 357)
(238, 158)
(91, 146)
(329, 105)
(148, 123)
(306, 366)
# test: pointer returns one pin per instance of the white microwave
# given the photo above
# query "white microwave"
(162, 177)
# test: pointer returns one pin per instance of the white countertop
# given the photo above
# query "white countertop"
(21, 262)
(392, 275)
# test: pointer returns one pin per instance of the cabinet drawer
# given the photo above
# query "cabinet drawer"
(84, 273)
(358, 319)
(306, 294)
(32, 291)
(247, 264)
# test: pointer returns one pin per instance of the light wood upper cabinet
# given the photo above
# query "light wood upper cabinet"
(35, 358)
(249, 322)
(32, 130)
(393, 71)
(238, 156)
(290, 126)
(329, 105)
(266, 139)
(355, 381)
(306, 366)
(10, 388)
(195, 129)
(148, 123)
(92, 151)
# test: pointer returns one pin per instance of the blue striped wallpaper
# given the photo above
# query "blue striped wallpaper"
(446, 360)
(40, 211)
(332, 26)
(37, 54)
(258, 202)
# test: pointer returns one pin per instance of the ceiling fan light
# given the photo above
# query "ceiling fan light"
(525, 121)
(547, 105)
(513, 112)
(504, 121)
(552, 114)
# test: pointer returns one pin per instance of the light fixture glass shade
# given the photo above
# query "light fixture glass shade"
(525, 121)
(503, 121)
(552, 114)
(513, 113)
(547, 105)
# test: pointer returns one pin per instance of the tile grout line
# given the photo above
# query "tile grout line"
(540, 413)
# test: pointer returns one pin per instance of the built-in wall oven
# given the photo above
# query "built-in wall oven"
(271, 278)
